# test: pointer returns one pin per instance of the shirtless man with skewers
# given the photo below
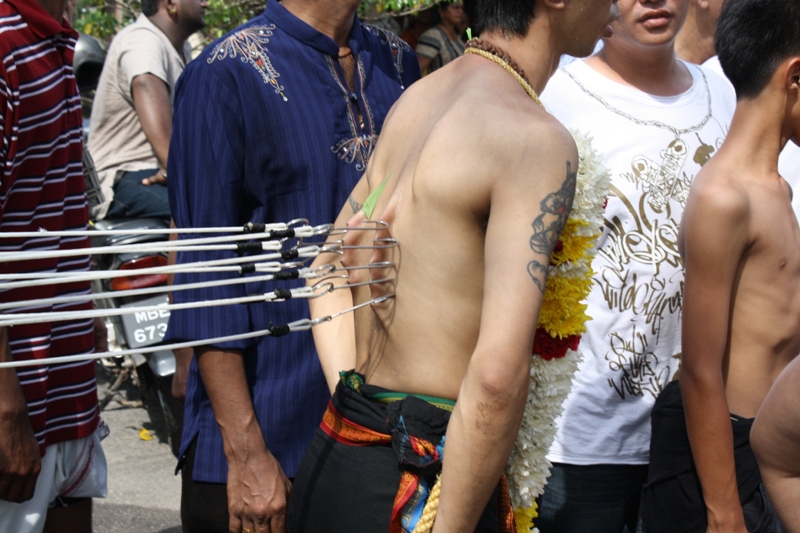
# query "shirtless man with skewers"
(475, 235)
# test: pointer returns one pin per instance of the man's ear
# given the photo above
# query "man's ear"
(555, 4)
(172, 9)
(793, 74)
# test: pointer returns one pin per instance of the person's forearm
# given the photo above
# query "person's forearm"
(335, 340)
(711, 438)
(224, 379)
(11, 397)
(480, 436)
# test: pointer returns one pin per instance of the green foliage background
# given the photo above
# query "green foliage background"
(103, 18)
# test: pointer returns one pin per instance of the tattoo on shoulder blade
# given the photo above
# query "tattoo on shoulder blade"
(548, 226)
(354, 205)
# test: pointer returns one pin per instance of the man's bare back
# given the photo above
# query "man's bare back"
(438, 208)
(765, 302)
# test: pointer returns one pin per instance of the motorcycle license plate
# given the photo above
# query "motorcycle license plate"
(145, 328)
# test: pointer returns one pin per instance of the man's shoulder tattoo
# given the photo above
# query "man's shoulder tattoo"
(549, 224)
(355, 206)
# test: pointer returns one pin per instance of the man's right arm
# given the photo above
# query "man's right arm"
(258, 490)
(530, 204)
(151, 100)
(143, 65)
(715, 235)
(206, 166)
(19, 451)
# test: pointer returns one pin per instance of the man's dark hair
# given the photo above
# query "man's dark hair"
(150, 7)
(753, 38)
(509, 17)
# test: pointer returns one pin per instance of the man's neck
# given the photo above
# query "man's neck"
(168, 27)
(333, 18)
(54, 7)
(756, 138)
(533, 54)
(654, 70)
(695, 41)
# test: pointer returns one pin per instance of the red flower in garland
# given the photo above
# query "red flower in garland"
(549, 348)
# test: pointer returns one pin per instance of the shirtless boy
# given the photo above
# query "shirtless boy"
(740, 243)
(477, 181)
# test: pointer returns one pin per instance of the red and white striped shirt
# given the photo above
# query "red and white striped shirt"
(42, 186)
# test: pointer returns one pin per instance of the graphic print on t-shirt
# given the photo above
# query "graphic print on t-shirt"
(653, 241)
(654, 146)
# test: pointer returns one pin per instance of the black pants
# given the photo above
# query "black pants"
(600, 498)
(345, 488)
(204, 506)
(672, 500)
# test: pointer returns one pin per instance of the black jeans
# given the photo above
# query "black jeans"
(204, 506)
(592, 498)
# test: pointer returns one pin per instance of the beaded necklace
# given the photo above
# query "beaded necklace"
(494, 54)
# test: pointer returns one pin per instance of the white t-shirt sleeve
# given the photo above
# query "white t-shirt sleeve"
(142, 53)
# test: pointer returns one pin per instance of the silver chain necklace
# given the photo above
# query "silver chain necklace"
(655, 123)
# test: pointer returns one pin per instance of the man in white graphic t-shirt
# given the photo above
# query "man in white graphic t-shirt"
(656, 121)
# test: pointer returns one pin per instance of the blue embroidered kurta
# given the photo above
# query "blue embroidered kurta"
(266, 130)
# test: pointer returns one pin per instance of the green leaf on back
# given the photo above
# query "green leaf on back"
(372, 200)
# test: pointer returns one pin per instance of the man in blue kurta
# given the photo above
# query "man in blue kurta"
(273, 122)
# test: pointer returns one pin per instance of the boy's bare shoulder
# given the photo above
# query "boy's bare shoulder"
(717, 193)
(719, 203)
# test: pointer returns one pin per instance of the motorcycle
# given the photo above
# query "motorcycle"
(153, 372)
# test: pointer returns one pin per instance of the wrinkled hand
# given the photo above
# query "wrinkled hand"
(258, 494)
(158, 177)
(100, 336)
(19, 455)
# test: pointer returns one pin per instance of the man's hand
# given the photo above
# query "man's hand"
(737, 527)
(19, 455)
(19, 451)
(158, 177)
(258, 494)
(258, 490)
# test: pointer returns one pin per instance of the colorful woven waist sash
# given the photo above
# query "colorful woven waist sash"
(415, 428)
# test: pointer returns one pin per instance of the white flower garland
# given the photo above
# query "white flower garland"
(551, 381)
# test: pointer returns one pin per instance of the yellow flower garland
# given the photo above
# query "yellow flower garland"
(562, 316)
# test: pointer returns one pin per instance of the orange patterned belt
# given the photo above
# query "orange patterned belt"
(413, 490)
